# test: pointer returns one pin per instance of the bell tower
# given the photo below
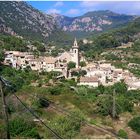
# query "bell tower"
(75, 52)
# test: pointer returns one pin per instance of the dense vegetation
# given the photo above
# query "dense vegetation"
(111, 39)
(12, 43)
(122, 134)
(118, 36)
(135, 124)
(71, 65)
(22, 128)
(18, 77)
(82, 101)
(94, 105)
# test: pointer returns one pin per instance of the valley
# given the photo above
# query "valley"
(59, 86)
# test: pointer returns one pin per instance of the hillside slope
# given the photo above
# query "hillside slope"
(114, 38)
(24, 20)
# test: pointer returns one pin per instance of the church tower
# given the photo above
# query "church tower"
(75, 52)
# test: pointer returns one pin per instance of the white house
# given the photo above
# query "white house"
(135, 85)
(15, 58)
(50, 63)
(35, 64)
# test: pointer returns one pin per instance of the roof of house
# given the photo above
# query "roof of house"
(75, 69)
(13, 52)
(16, 53)
(89, 79)
(34, 60)
(65, 55)
(50, 60)
(118, 70)
(134, 84)
(29, 56)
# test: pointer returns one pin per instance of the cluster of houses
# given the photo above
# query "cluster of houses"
(96, 73)
(22, 60)
(106, 74)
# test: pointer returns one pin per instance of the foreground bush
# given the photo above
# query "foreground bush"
(23, 129)
(135, 124)
(122, 134)
(66, 127)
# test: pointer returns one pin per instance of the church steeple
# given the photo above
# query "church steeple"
(75, 53)
(75, 44)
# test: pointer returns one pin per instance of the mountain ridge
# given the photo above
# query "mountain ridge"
(26, 21)
(33, 24)
(92, 21)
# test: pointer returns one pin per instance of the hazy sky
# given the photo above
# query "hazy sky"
(76, 8)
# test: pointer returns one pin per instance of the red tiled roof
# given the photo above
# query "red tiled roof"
(89, 79)
(50, 60)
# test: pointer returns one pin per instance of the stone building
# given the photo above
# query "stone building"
(72, 55)
(89, 81)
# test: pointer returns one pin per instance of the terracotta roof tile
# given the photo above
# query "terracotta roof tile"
(50, 60)
(89, 79)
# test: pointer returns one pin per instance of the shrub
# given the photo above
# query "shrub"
(22, 128)
(135, 124)
(120, 87)
(122, 134)
(2, 131)
(104, 105)
(55, 90)
(66, 127)
(40, 103)
(82, 72)
(82, 64)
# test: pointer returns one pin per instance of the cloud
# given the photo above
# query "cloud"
(53, 11)
(59, 4)
(76, 9)
(88, 4)
(122, 7)
(136, 5)
(116, 6)
(73, 11)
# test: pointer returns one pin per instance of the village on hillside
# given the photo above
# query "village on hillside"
(96, 73)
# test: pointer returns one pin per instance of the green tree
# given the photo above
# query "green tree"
(74, 73)
(135, 124)
(36, 53)
(71, 65)
(1, 56)
(82, 72)
(104, 105)
(82, 64)
(54, 52)
(13, 43)
(40, 46)
(120, 87)
(101, 89)
(55, 91)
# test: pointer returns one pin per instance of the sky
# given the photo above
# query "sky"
(77, 8)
